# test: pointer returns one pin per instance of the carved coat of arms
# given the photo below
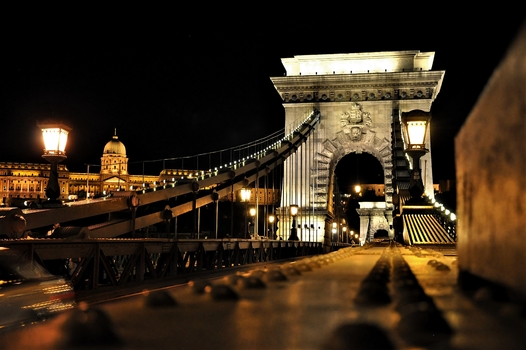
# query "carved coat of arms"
(355, 122)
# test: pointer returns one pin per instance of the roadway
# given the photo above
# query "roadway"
(406, 296)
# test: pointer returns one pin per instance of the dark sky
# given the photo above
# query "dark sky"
(177, 83)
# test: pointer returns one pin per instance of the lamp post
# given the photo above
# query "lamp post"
(254, 223)
(55, 136)
(344, 228)
(245, 197)
(415, 125)
(293, 231)
(87, 180)
(358, 190)
(335, 230)
(271, 219)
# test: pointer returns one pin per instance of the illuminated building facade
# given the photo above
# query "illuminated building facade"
(21, 182)
(28, 181)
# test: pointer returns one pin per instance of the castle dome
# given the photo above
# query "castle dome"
(115, 146)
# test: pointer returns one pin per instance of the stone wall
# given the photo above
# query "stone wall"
(491, 177)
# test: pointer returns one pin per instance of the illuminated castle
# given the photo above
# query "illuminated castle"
(22, 182)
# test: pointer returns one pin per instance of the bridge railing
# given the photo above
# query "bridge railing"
(446, 218)
(91, 264)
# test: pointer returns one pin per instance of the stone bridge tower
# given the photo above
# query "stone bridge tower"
(360, 97)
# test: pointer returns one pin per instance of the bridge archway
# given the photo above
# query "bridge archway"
(359, 178)
(381, 234)
(359, 169)
(358, 114)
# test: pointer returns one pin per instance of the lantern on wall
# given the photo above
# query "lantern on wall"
(415, 125)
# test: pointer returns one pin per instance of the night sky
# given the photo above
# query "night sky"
(181, 83)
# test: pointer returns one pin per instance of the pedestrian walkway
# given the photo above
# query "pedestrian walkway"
(380, 296)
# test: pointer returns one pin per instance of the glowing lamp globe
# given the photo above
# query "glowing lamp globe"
(293, 210)
(55, 138)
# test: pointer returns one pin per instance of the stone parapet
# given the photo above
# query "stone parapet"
(491, 177)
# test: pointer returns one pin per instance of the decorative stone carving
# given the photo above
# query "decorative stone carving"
(355, 122)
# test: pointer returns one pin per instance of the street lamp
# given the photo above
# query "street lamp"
(357, 189)
(344, 228)
(55, 136)
(271, 219)
(254, 224)
(335, 230)
(87, 180)
(245, 197)
(293, 230)
(415, 129)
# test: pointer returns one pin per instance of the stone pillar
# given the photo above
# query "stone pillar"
(364, 224)
(389, 218)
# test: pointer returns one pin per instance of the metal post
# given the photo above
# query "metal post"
(232, 210)
(246, 219)
(215, 197)
(194, 221)
(87, 185)
(256, 193)
(217, 216)
(198, 222)
(175, 228)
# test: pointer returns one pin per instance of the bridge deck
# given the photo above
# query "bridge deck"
(304, 311)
